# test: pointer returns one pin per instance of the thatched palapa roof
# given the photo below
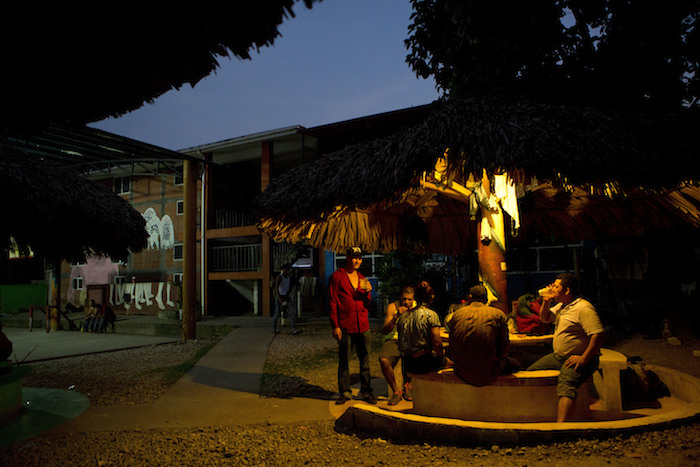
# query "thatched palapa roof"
(599, 174)
(60, 214)
(67, 62)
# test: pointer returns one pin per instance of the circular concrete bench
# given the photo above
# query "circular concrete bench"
(525, 396)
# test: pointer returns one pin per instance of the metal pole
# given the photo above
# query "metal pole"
(189, 259)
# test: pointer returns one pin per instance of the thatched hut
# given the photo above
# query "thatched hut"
(579, 173)
(590, 167)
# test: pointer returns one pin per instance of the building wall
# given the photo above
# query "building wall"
(144, 283)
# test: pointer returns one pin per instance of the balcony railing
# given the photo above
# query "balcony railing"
(236, 258)
(224, 219)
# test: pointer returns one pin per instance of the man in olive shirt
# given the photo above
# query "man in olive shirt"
(479, 343)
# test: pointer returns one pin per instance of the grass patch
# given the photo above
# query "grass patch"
(172, 374)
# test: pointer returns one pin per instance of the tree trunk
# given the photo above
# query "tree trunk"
(492, 258)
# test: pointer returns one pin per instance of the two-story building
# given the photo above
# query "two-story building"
(239, 263)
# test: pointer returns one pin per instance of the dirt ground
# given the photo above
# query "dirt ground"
(306, 365)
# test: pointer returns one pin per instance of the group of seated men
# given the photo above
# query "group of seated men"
(479, 343)
(97, 317)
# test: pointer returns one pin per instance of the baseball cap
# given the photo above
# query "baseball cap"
(354, 252)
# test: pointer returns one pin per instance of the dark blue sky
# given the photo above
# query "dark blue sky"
(340, 60)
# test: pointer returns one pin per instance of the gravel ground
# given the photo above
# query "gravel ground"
(305, 365)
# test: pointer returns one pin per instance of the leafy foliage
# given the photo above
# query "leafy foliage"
(627, 54)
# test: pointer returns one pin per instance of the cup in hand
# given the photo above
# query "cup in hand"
(546, 292)
(365, 285)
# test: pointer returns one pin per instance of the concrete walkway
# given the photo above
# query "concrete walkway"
(221, 389)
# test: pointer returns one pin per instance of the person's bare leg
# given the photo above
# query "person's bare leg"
(565, 409)
(388, 373)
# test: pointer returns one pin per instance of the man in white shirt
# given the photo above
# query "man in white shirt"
(578, 336)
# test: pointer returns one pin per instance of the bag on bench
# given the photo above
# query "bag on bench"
(640, 384)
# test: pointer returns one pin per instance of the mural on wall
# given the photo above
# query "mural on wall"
(161, 234)
(141, 294)
(102, 271)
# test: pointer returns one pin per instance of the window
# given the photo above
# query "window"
(178, 180)
(177, 278)
(77, 283)
(119, 279)
(177, 252)
(180, 207)
(122, 185)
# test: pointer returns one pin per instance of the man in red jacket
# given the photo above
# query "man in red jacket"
(349, 296)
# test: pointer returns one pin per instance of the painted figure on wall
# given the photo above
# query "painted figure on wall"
(161, 234)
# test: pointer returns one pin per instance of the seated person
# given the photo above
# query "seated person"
(578, 336)
(98, 322)
(419, 338)
(528, 316)
(389, 354)
(479, 343)
(90, 316)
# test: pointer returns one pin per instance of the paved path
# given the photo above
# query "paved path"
(221, 389)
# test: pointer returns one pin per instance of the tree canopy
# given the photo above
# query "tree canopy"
(68, 63)
(637, 55)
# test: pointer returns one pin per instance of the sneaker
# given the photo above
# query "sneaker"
(408, 391)
(395, 398)
(296, 332)
(369, 398)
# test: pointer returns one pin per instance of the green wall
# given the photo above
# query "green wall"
(14, 297)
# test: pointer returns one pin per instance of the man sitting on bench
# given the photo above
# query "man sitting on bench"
(578, 336)
(419, 338)
(479, 343)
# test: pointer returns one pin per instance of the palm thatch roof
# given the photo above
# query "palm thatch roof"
(600, 174)
(60, 214)
(68, 63)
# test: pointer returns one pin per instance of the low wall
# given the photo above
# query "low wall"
(18, 296)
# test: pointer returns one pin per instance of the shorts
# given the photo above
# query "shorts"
(390, 351)
(569, 380)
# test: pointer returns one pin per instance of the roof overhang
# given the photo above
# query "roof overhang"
(97, 153)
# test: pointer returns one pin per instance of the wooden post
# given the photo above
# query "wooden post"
(265, 176)
(206, 210)
(189, 246)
